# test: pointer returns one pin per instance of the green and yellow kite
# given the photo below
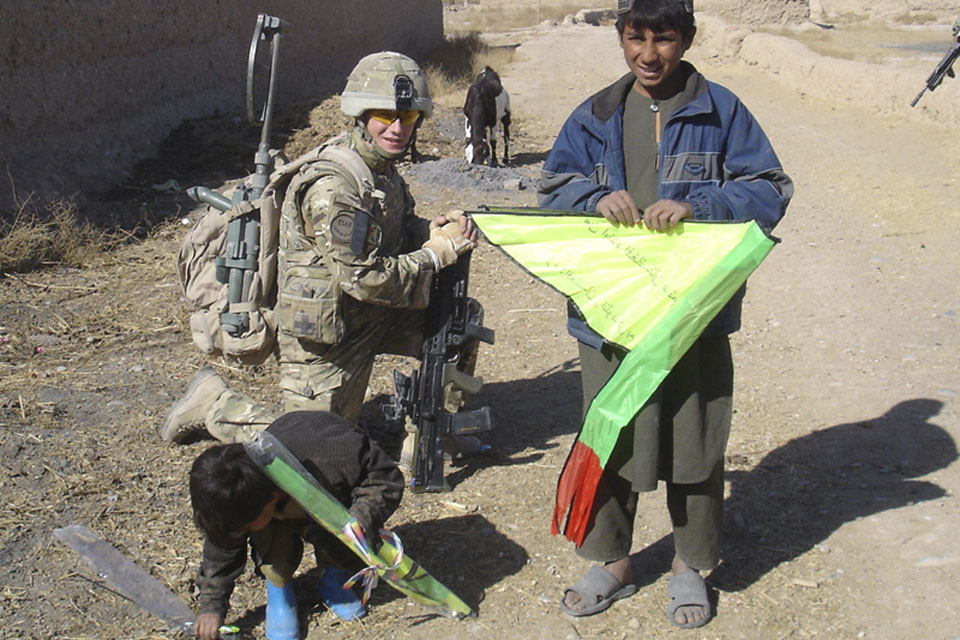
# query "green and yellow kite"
(652, 293)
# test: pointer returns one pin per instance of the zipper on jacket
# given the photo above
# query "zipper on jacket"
(655, 107)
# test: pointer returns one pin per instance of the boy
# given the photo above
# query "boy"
(661, 145)
(235, 502)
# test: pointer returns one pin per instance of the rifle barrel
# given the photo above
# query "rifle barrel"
(919, 95)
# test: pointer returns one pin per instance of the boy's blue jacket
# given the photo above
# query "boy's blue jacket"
(713, 155)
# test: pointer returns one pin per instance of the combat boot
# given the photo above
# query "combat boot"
(187, 414)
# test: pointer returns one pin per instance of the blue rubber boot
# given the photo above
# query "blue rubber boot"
(343, 602)
(282, 621)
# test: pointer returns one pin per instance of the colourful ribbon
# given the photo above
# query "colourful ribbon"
(370, 575)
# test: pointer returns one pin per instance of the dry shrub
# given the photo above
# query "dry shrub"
(53, 236)
(497, 58)
(450, 66)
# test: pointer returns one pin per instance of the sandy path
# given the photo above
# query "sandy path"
(852, 319)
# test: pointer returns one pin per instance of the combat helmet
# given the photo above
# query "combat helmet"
(386, 80)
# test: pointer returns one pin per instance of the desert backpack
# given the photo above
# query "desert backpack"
(207, 241)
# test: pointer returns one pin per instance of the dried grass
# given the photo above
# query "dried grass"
(452, 66)
(53, 235)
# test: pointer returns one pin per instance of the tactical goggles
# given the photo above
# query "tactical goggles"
(388, 116)
(624, 6)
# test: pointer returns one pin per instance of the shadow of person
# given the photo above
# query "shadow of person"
(526, 159)
(530, 413)
(802, 492)
(464, 553)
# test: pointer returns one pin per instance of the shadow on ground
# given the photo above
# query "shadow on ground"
(803, 491)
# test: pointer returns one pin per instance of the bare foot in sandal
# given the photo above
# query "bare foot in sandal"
(599, 588)
(689, 605)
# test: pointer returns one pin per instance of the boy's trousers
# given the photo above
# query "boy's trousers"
(680, 437)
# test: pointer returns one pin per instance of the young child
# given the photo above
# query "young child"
(234, 502)
(659, 146)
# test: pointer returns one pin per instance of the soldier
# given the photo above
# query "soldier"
(355, 266)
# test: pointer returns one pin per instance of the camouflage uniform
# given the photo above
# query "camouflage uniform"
(355, 270)
(362, 303)
(368, 256)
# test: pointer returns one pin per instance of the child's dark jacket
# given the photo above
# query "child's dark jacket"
(346, 463)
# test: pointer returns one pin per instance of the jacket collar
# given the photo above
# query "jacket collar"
(610, 100)
(376, 163)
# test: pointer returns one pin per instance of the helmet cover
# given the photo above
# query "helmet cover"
(386, 80)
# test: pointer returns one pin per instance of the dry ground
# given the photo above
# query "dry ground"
(842, 507)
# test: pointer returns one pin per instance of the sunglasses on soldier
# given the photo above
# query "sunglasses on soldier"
(388, 116)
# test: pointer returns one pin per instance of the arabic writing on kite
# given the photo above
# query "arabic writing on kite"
(603, 229)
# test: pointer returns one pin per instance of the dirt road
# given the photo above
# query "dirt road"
(842, 507)
(844, 497)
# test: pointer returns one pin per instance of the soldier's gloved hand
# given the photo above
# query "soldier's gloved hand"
(447, 243)
(449, 216)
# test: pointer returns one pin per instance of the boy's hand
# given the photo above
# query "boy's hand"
(666, 214)
(619, 208)
(207, 626)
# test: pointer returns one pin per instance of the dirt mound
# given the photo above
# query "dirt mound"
(757, 13)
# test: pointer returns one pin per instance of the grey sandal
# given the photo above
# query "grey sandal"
(597, 589)
(687, 589)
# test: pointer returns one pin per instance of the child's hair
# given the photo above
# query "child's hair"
(228, 491)
(658, 16)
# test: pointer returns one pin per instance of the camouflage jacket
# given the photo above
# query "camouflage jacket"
(340, 236)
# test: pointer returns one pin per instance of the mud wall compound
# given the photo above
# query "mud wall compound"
(89, 88)
(766, 12)
(777, 12)
(905, 11)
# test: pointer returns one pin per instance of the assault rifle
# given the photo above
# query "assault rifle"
(452, 320)
(236, 269)
(944, 67)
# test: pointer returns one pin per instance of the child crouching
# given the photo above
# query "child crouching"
(235, 503)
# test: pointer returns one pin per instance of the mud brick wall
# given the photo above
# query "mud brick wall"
(89, 88)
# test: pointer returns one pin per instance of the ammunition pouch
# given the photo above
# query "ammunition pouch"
(250, 347)
(308, 304)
